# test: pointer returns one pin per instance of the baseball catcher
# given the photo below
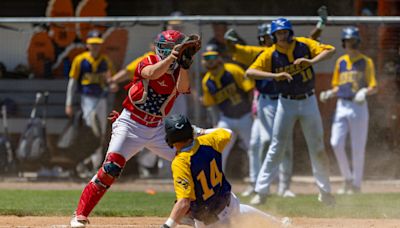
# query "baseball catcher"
(158, 80)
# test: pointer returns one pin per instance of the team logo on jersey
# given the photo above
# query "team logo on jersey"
(162, 83)
(184, 183)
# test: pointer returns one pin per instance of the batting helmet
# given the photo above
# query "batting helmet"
(263, 30)
(281, 24)
(165, 42)
(351, 32)
(177, 128)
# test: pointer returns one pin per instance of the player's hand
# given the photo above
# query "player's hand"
(323, 14)
(284, 76)
(174, 53)
(360, 96)
(326, 95)
(69, 111)
(113, 116)
(113, 87)
(303, 61)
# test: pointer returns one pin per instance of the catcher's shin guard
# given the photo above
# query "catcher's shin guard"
(95, 189)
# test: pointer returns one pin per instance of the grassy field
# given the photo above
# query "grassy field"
(63, 202)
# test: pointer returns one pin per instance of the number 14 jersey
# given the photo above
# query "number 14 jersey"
(197, 169)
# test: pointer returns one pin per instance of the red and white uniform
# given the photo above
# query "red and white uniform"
(141, 122)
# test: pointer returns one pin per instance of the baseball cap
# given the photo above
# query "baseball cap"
(94, 37)
(210, 55)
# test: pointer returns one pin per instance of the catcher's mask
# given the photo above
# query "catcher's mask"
(281, 24)
(263, 33)
(349, 33)
(165, 42)
(177, 129)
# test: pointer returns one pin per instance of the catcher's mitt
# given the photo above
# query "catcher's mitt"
(187, 49)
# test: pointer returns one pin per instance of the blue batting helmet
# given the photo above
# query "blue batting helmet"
(351, 32)
(281, 24)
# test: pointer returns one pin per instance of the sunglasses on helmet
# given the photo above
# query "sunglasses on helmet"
(210, 57)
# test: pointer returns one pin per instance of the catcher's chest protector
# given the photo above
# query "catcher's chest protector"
(155, 97)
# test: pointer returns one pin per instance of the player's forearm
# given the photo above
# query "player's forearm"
(121, 76)
(179, 210)
(72, 84)
(315, 33)
(183, 83)
(259, 75)
(157, 70)
(372, 90)
(325, 54)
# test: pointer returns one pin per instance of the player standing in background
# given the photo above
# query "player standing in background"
(353, 80)
(225, 86)
(266, 101)
(158, 80)
(293, 57)
(90, 72)
(199, 182)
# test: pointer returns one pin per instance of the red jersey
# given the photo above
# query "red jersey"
(154, 98)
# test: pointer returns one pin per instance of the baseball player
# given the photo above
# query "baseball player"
(353, 80)
(158, 80)
(89, 74)
(293, 57)
(267, 101)
(201, 188)
(225, 86)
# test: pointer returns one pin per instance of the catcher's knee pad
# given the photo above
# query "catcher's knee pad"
(110, 170)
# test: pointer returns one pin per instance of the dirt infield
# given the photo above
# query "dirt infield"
(301, 185)
(149, 222)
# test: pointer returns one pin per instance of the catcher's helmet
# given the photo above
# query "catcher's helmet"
(351, 32)
(281, 24)
(263, 30)
(165, 42)
(177, 128)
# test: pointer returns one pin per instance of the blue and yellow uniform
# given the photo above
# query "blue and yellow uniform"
(90, 73)
(352, 74)
(276, 60)
(246, 55)
(197, 172)
(228, 89)
(132, 65)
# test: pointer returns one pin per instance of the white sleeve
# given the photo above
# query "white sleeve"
(72, 84)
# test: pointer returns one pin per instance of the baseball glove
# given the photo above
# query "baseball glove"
(187, 49)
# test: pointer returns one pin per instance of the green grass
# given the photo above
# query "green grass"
(354, 206)
(63, 203)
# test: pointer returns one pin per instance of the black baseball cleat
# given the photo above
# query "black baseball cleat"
(327, 198)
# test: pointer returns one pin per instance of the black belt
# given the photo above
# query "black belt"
(346, 98)
(270, 96)
(298, 96)
(208, 214)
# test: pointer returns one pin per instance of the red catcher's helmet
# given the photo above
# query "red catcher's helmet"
(166, 40)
